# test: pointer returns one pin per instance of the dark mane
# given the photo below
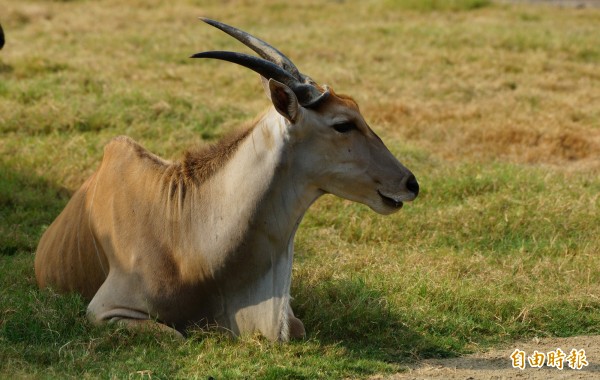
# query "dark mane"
(200, 164)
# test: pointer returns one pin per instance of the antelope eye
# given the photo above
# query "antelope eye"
(344, 127)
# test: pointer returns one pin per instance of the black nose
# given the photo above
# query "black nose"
(412, 185)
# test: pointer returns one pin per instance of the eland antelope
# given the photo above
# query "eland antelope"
(209, 240)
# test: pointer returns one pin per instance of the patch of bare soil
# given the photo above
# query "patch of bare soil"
(497, 364)
(564, 147)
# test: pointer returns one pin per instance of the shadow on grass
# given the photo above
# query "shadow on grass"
(28, 317)
(28, 204)
(347, 312)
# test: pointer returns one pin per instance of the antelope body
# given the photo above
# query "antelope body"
(209, 240)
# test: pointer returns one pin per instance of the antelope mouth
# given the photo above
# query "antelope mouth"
(391, 201)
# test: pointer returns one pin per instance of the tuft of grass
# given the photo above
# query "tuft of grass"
(494, 108)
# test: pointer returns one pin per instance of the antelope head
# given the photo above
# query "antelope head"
(336, 150)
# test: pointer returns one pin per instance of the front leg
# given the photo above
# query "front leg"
(114, 305)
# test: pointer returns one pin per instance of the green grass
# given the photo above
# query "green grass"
(493, 107)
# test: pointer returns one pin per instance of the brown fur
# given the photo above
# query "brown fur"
(61, 250)
(64, 258)
(199, 165)
(145, 154)
(342, 99)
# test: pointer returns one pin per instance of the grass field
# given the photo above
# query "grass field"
(494, 107)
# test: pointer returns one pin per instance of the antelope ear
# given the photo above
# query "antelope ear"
(284, 100)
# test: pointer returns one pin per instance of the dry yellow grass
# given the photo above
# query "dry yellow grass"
(501, 83)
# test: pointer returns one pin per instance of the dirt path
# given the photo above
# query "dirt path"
(497, 364)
